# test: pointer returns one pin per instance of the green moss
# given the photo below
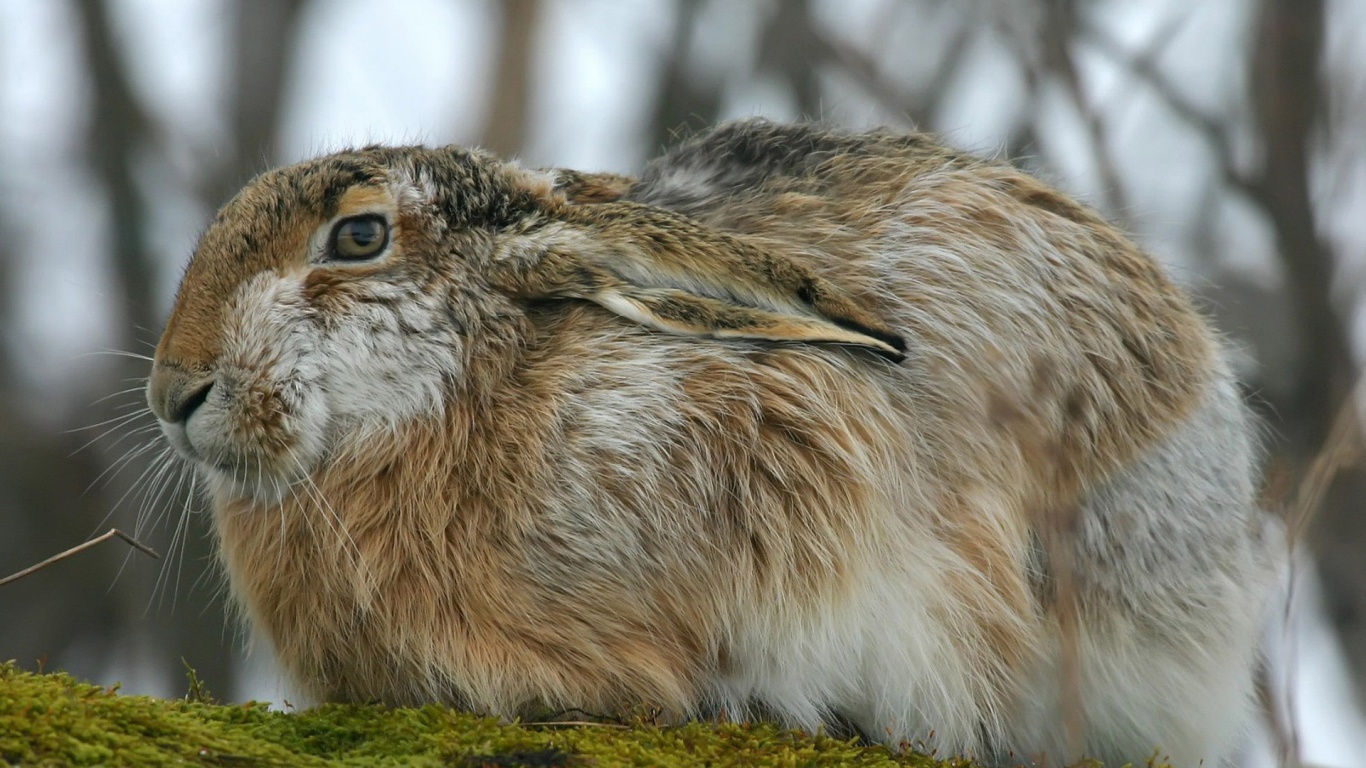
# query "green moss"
(55, 720)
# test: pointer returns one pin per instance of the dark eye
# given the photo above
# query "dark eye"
(361, 237)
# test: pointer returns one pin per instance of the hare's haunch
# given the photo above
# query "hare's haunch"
(778, 427)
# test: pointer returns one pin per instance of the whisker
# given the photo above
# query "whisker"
(152, 501)
(238, 464)
(123, 421)
(152, 491)
(139, 403)
(186, 513)
(140, 430)
(150, 494)
(180, 537)
(152, 345)
(158, 461)
(157, 464)
(142, 387)
(118, 465)
(218, 588)
(280, 550)
(123, 417)
(114, 353)
(333, 520)
(147, 516)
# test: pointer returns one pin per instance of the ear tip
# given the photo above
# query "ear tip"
(889, 345)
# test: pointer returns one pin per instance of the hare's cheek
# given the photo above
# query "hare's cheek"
(390, 362)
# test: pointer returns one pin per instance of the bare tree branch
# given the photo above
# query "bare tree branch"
(505, 129)
(263, 48)
(1288, 106)
(917, 105)
(1287, 100)
(682, 102)
(787, 48)
(1217, 133)
(1059, 33)
(119, 123)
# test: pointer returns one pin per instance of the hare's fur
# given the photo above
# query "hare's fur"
(588, 441)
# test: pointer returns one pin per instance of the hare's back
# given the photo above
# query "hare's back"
(1011, 296)
(753, 161)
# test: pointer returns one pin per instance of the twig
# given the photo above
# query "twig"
(1058, 58)
(1056, 523)
(1146, 56)
(1341, 449)
(575, 724)
(1045, 57)
(915, 105)
(1215, 132)
(106, 536)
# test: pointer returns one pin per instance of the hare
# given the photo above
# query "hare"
(778, 428)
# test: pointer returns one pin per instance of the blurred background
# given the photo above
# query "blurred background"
(1227, 135)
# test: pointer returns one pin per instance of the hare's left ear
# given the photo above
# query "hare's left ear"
(668, 272)
(589, 188)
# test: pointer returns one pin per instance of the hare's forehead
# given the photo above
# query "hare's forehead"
(274, 223)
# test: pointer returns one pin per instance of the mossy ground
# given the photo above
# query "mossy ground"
(55, 720)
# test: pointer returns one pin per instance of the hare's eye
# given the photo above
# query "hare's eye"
(361, 237)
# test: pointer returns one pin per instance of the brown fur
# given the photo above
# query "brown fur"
(595, 512)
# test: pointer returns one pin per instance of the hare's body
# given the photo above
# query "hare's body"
(468, 472)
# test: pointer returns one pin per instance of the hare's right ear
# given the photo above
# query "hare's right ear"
(668, 272)
(590, 188)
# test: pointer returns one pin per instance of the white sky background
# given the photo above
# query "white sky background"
(418, 71)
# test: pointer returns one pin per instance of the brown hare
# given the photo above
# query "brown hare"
(775, 428)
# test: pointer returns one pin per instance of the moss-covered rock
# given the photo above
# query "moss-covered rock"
(55, 720)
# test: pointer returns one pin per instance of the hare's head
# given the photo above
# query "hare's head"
(349, 294)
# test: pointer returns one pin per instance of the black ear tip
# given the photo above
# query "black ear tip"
(896, 354)
(897, 357)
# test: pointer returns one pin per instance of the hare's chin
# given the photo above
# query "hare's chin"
(237, 472)
(251, 483)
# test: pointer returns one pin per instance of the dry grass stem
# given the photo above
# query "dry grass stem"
(1055, 522)
(575, 724)
(1341, 449)
(112, 533)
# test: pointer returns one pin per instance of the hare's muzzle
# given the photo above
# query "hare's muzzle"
(174, 395)
(178, 400)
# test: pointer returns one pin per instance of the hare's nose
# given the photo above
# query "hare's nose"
(174, 394)
(180, 410)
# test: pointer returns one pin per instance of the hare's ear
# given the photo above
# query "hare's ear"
(668, 272)
(589, 188)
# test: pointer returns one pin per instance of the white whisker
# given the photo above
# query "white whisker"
(158, 462)
(177, 535)
(141, 387)
(333, 520)
(114, 353)
(123, 422)
(148, 517)
(157, 465)
(117, 466)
